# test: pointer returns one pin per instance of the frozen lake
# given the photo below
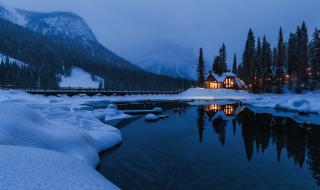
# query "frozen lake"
(214, 146)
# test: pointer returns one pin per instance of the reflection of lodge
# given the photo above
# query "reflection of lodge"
(225, 112)
(262, 131)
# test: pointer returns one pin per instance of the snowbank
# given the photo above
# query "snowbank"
(79, 137)
(40, 169)
(308, 103)
(56, 124)
(80, 78)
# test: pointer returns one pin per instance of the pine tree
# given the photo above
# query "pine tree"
(223, 60)
(315, 59)
(219, 65)
(216, 65)
(302, 65)
(280, 63)
(234, 66)
(258, 67)
(201, 69)
(292, 58)
(266, 64)
(248, 59)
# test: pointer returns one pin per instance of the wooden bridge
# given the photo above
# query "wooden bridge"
(92, 92)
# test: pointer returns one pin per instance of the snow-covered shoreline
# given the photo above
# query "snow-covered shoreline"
(55, 131)
(58, 124)
(306, 103)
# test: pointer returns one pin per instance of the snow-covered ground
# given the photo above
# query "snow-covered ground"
(80, 78)
(53, 124)
(35, 169)
(57, 129)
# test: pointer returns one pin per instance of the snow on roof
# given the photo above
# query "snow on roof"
(240, 82)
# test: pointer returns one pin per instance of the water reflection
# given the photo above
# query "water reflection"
(298, 142)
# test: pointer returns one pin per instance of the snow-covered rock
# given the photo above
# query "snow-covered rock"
(40, 169)
(157, 109)
(113, 116)
(163, 116)
(81, 78)
(151, 117)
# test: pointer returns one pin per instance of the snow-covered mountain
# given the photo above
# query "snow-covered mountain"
(168, 58)
(66, 26)
(59, 41)
(61, 24)
(58, 24)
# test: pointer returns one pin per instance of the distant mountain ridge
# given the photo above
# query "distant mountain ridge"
(169, 58)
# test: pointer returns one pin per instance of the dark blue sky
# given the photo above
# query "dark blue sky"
(127, 26)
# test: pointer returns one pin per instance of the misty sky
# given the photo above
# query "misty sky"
(129, 26)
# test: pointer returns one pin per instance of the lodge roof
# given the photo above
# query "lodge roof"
(221, 78)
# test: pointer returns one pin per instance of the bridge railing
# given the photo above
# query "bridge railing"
(88, 91)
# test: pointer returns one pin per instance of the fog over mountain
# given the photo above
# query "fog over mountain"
(129, 27)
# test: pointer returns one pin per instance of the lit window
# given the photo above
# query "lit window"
(213, 85)
(229, 83)
(229, 110)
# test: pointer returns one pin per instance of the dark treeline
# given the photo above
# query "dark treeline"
(13, 74)
(291, 140)
(294, 64)
(49, 58)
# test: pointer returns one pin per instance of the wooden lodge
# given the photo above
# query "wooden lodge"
(226, 80)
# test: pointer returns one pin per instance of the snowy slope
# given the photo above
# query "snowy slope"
(3, 57)
(80, 78)
(168, 58)
(11, 14)
(40, 169)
